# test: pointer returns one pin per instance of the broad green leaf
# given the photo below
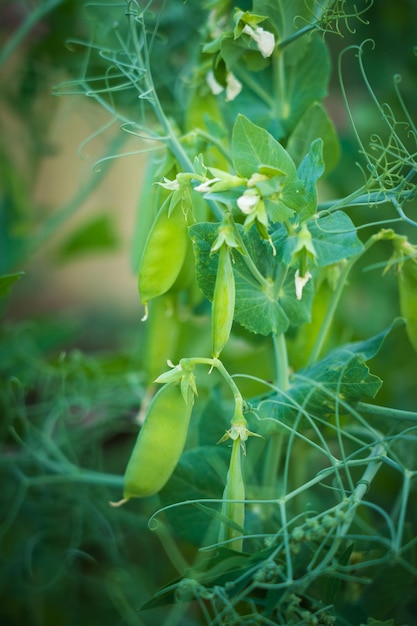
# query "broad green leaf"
(6, 282)
(342, 375)
(288, 17)
(257, 307)
(292, 200)
(258, 312)
(314, 123)
(253, 147)
(333, 236)
(281, 14)
(305, 80)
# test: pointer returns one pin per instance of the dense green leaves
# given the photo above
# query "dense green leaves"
(263, 307)
(341, 378)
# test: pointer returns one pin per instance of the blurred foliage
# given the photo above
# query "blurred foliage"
(70, 391)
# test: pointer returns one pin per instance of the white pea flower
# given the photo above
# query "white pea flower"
(214, 86)
(300, 282)
(264, 39)
(247, 202)
(234, 86)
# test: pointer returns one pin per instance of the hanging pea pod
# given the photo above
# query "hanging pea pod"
(233, 507)
(159, 444)
(223, 306)
(407, 286)
(162, 333)
(164, 253)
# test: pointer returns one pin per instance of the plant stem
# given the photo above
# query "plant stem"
(328, 318)
(273, 453)
(281, 361)
(279, 85)
(214, 362)
(248, 259)
(388, 412)
(253, 85)
(334, 301)
(171, 138)
(77, 476)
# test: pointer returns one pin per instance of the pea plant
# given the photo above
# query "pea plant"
(262, 445)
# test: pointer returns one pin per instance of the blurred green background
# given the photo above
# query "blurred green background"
(71, 351)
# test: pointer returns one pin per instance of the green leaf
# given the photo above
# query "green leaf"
(333, 236)
(314, 123)
(6, 282)
(216, 570)
(253, 148)
(97, 235)
(342, 375)
(257, 306)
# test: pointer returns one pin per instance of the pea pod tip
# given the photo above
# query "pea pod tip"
(118, 503)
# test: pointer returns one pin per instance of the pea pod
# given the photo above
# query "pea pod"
(234, 490)
(161, 335)
(159, 444)
(223, 306)
(164, 253)
(407, 286)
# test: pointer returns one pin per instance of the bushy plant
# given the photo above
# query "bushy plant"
(289, 498)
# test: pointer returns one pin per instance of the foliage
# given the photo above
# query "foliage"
(292, 502)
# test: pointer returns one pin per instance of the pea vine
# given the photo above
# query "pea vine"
(243, 264)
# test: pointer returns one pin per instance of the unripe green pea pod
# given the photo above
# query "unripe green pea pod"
(407, 286)
(223, 306)
(159, 444)
(162, 333)
(164, 253)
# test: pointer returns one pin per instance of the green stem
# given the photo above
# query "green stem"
(299, 33)
(247, 257)
(171, 138)
(334, 301)
(216, 143)
(270, 468)
(279, 85)
(281, 274)
(281, 361)
(189, 362)
(77, 476)
(253, 85)
(390, 413)
(331, 310)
